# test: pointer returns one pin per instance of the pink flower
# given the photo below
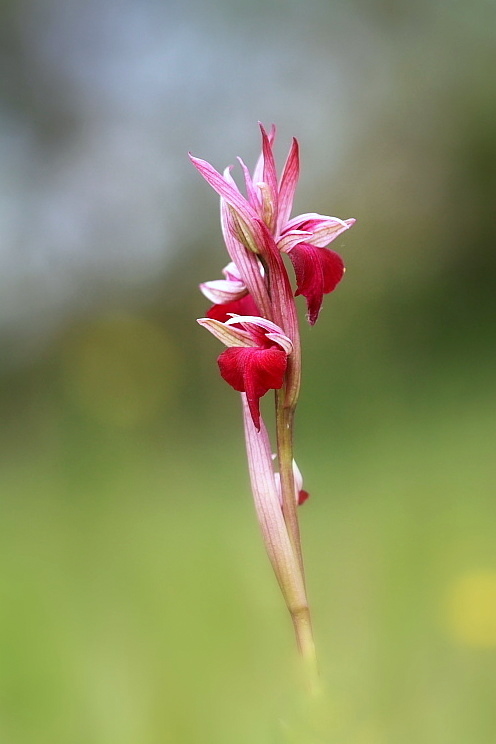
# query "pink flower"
(256, 358)
(318, 270)
(266, 209)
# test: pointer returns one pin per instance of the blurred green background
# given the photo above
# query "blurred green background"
(136, 602)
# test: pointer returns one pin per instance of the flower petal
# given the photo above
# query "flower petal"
(288, 183)
(318, 271)
(300, 494)
(275, 333)
(246, 262)
(221, 291)
(269, 513)
(231, 272)
(270, 193)
(228, 335)
(244, 232)
(323, 229)
(258, 170)
(298, 478)
(253, 371)
(303, 496)
(281, 340)
(251, 191)
(238, 216)
(225, 188)
(292, 238)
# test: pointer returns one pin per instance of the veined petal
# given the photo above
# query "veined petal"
(258, 170)
(225, 188)
(318, 271)
(323, 229)
(283, 306)
(246, 262)
(329, 230)
(283, 341)
(287, 186)
(292, 238)
(269, 512)
(231, 272)
(300, 221)
(228, 335)
(270, 194)
(250, 230)
(251, 191)
(253, 371)
(221, 291)
(269, 206)
(244, 232)
(275, 332)
(248, 330)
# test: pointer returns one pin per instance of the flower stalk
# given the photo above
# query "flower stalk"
(284, 435)
(254, 315)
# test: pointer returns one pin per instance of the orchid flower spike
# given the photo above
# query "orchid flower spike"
(253, 314)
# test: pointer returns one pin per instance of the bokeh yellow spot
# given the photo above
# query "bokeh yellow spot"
(471, 609)
(120, 370)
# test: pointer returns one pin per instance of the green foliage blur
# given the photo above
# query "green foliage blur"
(136, 602)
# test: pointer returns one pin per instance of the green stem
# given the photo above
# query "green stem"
(301, 614)
(284, 429)
(304, 637)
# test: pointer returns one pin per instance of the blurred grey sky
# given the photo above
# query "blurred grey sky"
(102, 100)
